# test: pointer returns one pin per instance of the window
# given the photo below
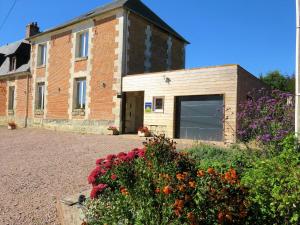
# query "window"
(11, 98)
(80, 90)
(42, 55)
(40, 103)
(13, 63)
(158, 104)
(82, 48)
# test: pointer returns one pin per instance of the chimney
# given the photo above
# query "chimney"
(32, 29)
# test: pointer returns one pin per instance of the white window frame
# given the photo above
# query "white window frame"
(154, 104)
(79, 105)
(82, 48)
(42, 55)
(42, 106)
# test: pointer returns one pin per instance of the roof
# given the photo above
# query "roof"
(135, 6)
(10, 48)
(4, 68)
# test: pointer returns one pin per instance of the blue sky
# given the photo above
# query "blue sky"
(257, 34)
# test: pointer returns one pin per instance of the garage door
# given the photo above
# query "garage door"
(200, 117)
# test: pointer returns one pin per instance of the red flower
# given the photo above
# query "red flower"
(130, 155)
(113, 176)
(97, 190)
(99, 161)
(111, 157)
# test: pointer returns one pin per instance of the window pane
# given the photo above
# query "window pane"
(78, 95)
(11, 98)
(158, 103)
(86, 47)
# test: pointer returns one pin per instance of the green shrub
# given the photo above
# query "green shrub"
(274, 186)
(222, 158)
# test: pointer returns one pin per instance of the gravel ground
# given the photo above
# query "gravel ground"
(38, 166)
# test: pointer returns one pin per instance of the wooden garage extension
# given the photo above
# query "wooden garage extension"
(198, 104)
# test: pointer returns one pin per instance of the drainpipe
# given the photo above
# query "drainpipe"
(297, 110)
(27, 101)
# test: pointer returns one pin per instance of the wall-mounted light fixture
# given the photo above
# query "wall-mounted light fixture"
(167, 79)
(103, 85)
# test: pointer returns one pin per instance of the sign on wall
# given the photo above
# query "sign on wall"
(148, 107)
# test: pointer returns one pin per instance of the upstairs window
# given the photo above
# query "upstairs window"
(13, 63)
(82, 48)
(40, 96)
(11, 98)
(80, 93)
(42, 55)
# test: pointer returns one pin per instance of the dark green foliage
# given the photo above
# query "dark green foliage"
(278, 81)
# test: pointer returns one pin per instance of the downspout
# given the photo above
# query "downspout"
(297, 96)
(27, 101)
(124, 67)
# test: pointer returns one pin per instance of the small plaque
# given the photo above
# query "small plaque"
(148, 107)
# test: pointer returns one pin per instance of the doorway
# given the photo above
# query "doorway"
(134, 111)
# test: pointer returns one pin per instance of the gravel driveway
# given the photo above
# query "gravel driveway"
(37, 166)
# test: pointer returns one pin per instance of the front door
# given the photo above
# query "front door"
(134, 113)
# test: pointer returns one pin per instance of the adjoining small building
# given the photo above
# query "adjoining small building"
(120, 65)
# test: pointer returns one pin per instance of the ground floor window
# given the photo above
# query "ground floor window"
(11, 98)
(158, 104)
(40, 103)
(80, 93)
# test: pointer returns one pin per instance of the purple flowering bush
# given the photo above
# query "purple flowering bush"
(266, 116)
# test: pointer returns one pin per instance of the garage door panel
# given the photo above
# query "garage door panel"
(201, 110)
(200, 117)
(201, 122)
(201, 134)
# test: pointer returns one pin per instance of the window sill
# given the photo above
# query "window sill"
(11, 112)
(158, 111)
(77, 59)
(38, 112)
(78, 112)
(41, 66)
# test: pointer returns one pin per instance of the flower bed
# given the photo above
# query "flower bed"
(158, 185)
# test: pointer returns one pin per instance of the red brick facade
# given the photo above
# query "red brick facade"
(3, 97)
(102, 80)
(59, 75)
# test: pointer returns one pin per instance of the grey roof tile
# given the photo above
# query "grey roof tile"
(135, 6)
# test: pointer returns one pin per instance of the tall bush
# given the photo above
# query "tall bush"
(267, 117)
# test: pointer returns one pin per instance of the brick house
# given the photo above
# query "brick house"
(122, 65)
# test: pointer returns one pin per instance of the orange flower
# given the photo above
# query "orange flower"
(228, 176)
(211, 171)
(157, 190)
(192, 184)
(124, 191)
(179, 204)
(200, 173)
(191, 217)
(180, 176)
(233, 174)
(181, 188)
(167, 190)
